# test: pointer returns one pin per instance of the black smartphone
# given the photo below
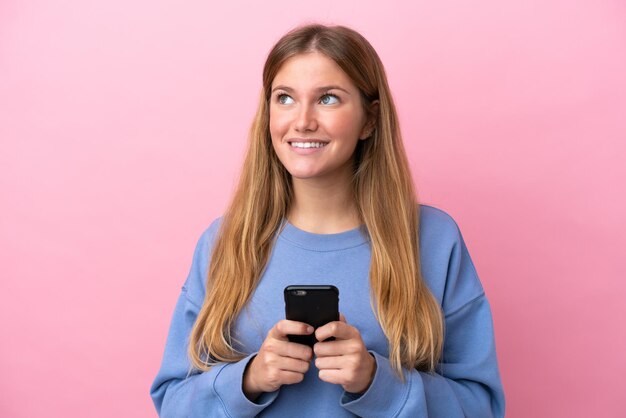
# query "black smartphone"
(315, 305)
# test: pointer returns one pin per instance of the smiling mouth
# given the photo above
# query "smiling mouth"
(308, 144)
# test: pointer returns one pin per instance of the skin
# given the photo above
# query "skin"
(345, 361)
(279, 361)
(302, 107)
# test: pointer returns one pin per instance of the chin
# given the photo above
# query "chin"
(303, 176)
(302, 172)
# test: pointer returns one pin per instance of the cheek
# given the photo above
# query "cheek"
(347, 123)
(278, 123)
(277, 133)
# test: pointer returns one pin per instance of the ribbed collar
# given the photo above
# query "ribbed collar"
(324, 242)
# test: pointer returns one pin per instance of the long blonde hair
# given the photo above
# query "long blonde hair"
(387, 203)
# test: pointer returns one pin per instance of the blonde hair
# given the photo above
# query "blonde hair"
(383, 191)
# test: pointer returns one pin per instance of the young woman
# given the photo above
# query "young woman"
(326, 197)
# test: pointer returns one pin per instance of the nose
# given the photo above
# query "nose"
(306, 119)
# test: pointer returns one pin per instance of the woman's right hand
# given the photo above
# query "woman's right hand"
(279, 361)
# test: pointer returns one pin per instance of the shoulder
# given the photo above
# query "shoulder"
(207, 239)
(439, 234)
(195, 285)
(208, 236)
(437, 225)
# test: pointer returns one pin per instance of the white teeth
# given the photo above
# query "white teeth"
(308, 144)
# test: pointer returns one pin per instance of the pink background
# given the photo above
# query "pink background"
(122, 127)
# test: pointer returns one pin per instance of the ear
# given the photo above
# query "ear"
(372, 118)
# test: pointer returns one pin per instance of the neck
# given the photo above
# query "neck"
(323, 206)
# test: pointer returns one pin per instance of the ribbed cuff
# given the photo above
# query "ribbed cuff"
(385, 396)
(228, 386)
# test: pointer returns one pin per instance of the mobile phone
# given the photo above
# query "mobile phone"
(315, 305)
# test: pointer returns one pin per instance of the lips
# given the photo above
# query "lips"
(307, 147)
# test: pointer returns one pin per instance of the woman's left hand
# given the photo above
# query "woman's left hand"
(345, 361)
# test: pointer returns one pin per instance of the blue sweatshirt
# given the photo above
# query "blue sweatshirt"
(466, 383)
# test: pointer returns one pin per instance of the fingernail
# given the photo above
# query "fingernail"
(309, 329)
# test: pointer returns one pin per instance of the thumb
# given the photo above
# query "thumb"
(342, 318)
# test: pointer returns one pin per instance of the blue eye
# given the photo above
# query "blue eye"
(329, 99)
(284, 99)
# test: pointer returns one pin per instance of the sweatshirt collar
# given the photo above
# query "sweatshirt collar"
(324, 242)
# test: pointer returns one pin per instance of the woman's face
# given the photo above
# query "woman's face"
(316, 118)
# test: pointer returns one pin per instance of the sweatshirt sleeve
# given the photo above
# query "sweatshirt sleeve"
(177, 391)
(466, 382)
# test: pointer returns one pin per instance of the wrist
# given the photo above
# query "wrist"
(371, 375)
(373, 366)
(250, 389)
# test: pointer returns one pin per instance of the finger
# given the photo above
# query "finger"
(290, 378)
(339, 330)
(334, 362)
(288, 349)
(342, 318)
(332, 376)
(286, 327)
(338, 348)
(287, 364)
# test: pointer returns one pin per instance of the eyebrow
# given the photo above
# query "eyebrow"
(319, 89)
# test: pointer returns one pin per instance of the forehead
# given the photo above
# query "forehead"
(309, 70)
